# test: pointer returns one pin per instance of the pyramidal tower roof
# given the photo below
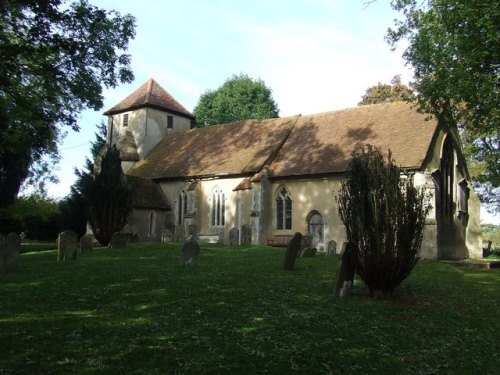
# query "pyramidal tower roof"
(152, 95)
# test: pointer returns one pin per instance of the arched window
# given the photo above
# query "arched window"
(152, 224)
(283, 210)
(218, 209)
(316, 228)
(181, 207)
(447, 179)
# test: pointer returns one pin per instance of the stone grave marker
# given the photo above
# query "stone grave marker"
(192, 230)
(308, 252)
(180, 233)
(86, 243)
(189, 252)
(234, 237)
(67, 246)
(331, 249)
(221, 237)
(118, 241)
(292, 251)
(9, 252)
(306, 242)
(166, 235)
(246, 234)
(346, 272)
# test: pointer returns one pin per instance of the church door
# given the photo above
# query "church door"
(316, 228)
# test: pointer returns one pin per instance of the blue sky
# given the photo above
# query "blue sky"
(315, 55)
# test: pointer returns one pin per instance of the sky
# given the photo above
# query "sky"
(315, 55)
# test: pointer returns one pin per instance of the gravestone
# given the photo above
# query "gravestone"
(306, 242)
(308, 252)
(118, 241)
(332, 248)
(234, 237)
(192, 231)
(166, 235)
(86, 243)
(67, 246)
(246, 234)
(346, 272)
(180, 233)
(292, 251)
(221, 238)
(190, 251)
(9, 252)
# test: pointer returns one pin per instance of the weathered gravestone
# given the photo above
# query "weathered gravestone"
(86, 243)
(118, 241)
(67, 246)
(246, 234)
(190, 251)
(234, 237)
(292, 251)
(10, 248)
(166, 235)
(306, 242)
(308, 252)
(346, 272)
(192, 230)
(221, 238)
(332, 248)
(180, 234)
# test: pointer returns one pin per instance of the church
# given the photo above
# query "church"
(271, 178)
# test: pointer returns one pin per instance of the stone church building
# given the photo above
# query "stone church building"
(272, 178)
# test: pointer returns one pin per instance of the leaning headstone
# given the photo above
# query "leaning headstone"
(346, 272)
(118, 241)
(332, 248)
(306, 242)
(308, 252)
(86, 244)
(180, 233)
(9, 252)
(234, 237)
(67, 245)
(292, 251)
(166, 235)
(246, 234)
(190, 251)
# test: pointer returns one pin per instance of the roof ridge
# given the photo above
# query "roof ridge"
(149, 89)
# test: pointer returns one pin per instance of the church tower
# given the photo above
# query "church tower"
(142, 119)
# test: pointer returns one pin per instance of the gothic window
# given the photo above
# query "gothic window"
(153, 219)
(283, 210)
(170, 122)
(181, 207)
(218, 208)
(447, 180)
(125, 120)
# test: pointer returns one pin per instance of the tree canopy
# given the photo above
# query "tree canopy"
(239, 98)
(384, 93)
(454, 50)
(56, 57)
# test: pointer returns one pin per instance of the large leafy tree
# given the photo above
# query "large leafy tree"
(239, 98)
(56, 56)
(384, 93)
(455, 53)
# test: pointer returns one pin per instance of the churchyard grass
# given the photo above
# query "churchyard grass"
(137, 311)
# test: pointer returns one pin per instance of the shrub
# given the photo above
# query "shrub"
(384, 215)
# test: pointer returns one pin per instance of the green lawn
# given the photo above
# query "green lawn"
(136, 311)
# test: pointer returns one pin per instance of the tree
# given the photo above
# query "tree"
(56, 57)
(384, 215)
(383, 93)
(239, 98)
(454, 50)
(106, 193)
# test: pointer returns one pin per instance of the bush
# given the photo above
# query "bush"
(384, 215)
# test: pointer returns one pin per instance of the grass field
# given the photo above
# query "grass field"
(136, 311)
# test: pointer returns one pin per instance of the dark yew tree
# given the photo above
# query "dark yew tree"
(108, 196)
(384, 215)
(239, 98)
(56, 57)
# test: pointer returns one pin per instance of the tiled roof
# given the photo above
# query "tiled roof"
(245, 184)
(293, 146)
(150, 94)
(323, 143)
(231, 149)
(147, 194)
